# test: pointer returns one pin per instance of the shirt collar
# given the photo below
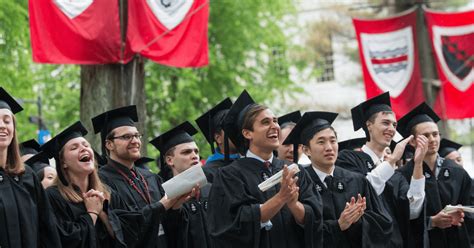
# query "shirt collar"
(250, 154)
(322, 175)
(372, 154)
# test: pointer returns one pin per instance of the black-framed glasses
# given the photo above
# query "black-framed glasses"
(127, 137)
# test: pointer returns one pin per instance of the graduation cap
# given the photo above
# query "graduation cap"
(212, 121)
(362, 112)
(288, 119)
(141, 162)
(8, 102)
(352, 144)
(29, 147)
(292, 117)
(108, 121)
(178, 135)
(52, 148)
(308, 126)
(447, 146)
(38, 162)
(235, 117)
(421, 113)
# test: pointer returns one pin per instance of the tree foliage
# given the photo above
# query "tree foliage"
(248, 49)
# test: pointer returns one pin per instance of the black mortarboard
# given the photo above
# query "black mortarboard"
(309, 125)
(213, 120)
(422, 113)
(29, 147)
(362, 112)
(108, 121)
(39, 158)
(235, 117)
(292, 117)
(54, 145)
(352, 144)
(447, 146)
(178, 135)
(8, 102)
(141, 162)
(38, 162)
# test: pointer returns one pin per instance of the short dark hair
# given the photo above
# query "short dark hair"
(330, 127)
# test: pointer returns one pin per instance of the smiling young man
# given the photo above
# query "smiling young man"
(446, 182)
(240, 215)
(179, 152)
(404, 202)
(138, 187)
(353, 216)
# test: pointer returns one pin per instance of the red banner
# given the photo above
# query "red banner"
(172, 33)
(389, 59)
(452, 39)
(75, 32)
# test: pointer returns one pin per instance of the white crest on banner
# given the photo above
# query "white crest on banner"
(438, 33)
(170, 13)
(73, 8)
(394, 53)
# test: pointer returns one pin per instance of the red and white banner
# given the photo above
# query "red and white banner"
(452, 38)
(172, 33)
(75, 32)
(389, 59)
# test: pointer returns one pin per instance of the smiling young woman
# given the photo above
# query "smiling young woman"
(22, 198)
(88, 214)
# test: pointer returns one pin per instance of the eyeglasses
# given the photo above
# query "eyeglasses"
(127, 137)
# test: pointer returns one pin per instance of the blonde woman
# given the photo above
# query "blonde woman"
(24, 207)
(87, 212)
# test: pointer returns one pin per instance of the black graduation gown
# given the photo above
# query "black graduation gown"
(374, 227)
(210, 169)
(150, 233)
(234, 209)
(451, 187)
(191, 223)
(394, 198)
(76, 228)
(26, 218)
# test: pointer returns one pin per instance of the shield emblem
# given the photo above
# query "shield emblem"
(73, 8)
(455, 52)
(389, 58)
(170, 13)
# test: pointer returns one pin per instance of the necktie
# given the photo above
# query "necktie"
(328, 181)
(267, 164)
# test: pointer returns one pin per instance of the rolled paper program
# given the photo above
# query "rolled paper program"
(185, 181)
(275, 179)
(451, 209)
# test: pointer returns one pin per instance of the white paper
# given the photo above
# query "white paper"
(185, 181)
(451, 209)
(275, 179)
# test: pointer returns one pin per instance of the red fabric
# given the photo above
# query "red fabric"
(186, 45)
(390, 60)
(92, 37)
(456, 73)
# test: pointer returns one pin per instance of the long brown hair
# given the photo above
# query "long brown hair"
(14, 165)
(69, 192)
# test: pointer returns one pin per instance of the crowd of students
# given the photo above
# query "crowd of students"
(372, 192)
